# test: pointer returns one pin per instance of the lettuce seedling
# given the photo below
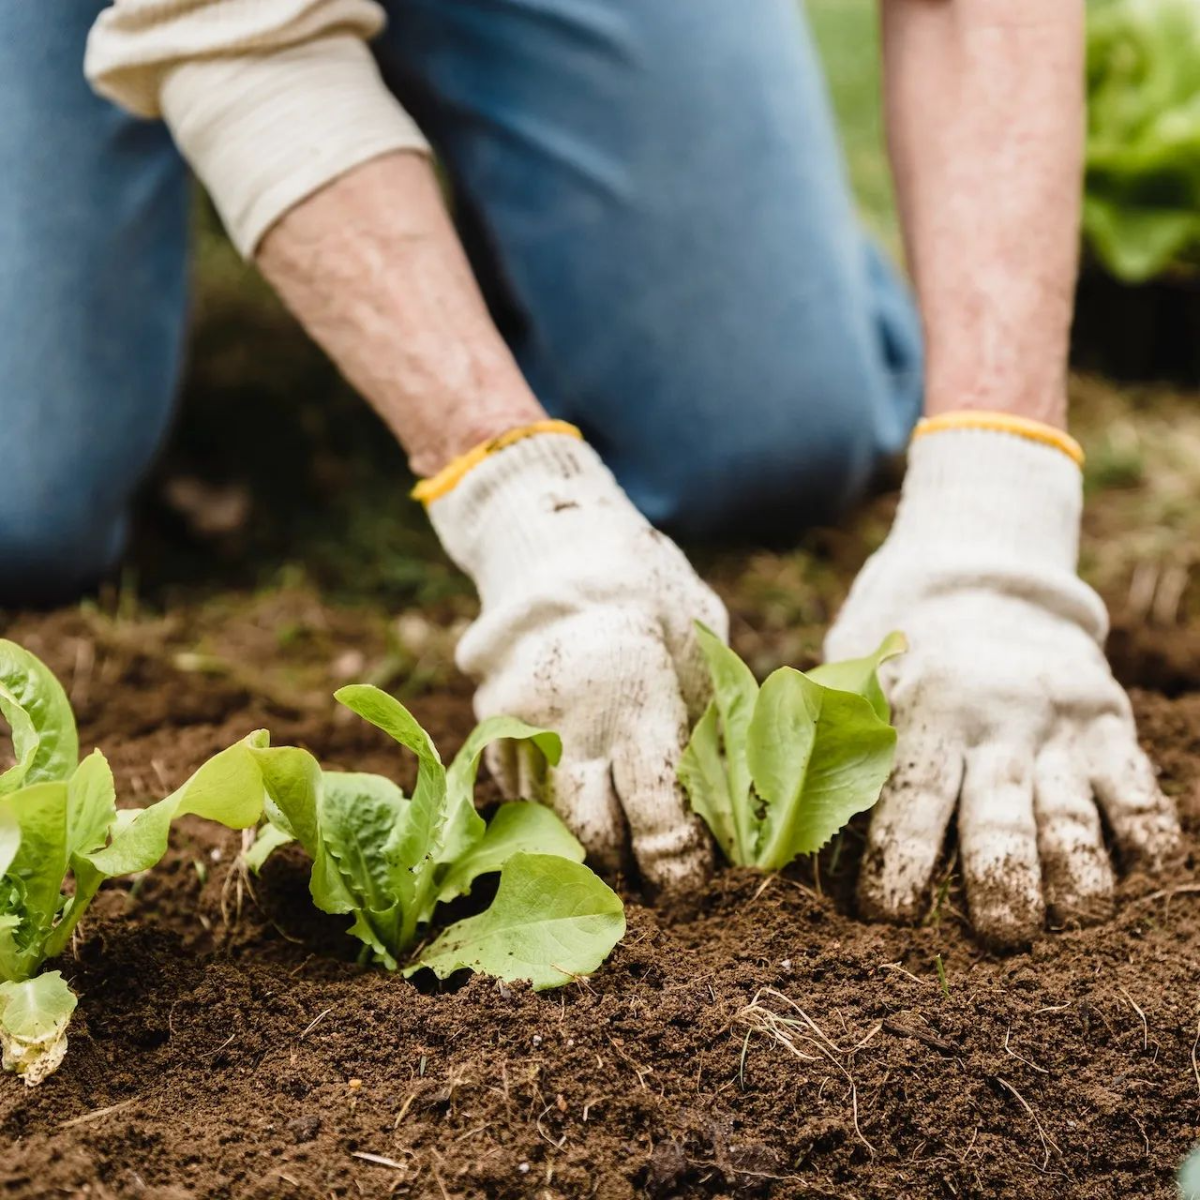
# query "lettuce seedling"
(1141, 208)
(775, 771)
(59, 822)
(388, 860)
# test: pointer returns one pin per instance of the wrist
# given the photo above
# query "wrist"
(1041, 398)
(489, 421)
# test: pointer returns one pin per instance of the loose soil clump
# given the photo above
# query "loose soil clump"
(769, 1044)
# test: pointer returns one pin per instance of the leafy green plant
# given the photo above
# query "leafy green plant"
(775, 771)
(1141, 211)
(61, 836)
(389, 860)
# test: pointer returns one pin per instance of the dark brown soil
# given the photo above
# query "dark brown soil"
(774, 1045)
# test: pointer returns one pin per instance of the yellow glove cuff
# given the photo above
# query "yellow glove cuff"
(1001, 422)
(451, 475)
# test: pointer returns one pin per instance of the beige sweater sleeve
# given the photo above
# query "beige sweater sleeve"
(269, 100)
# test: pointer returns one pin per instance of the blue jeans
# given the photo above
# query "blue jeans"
(654, 203)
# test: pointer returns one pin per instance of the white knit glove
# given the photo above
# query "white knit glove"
(1005, 705)
(586, 629)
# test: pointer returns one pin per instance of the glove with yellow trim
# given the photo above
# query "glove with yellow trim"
(586, 628)
(1006, 708)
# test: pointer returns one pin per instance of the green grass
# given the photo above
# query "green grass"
(847, 34)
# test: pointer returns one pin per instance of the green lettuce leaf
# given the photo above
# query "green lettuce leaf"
(861, 675)
(817, 756)
(776, 771)
(705, 779)
(38, 870)
(228, 788)
(552, 921)
(34, 1015)
(91, 813)
(39, 714)
(518, 827)
(734, 694)
(10, 835)
(1141, 213)
(464, 826)
(267, 840)
(425, 815)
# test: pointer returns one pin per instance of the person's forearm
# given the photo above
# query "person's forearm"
(372, 267)
(985, 127)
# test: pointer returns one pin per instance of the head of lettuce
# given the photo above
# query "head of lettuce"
(1142, 203)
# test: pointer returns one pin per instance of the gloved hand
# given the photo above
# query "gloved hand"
(1005, 705)
(586, 629)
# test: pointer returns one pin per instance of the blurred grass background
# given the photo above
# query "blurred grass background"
(847, 34)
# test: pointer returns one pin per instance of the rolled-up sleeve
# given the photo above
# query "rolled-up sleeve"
(269, 100)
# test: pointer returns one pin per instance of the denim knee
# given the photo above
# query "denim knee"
(49, 554)
(778, 464)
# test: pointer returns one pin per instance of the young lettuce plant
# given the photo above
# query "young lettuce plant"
(389, 860)
(59, 821)
(775, 771)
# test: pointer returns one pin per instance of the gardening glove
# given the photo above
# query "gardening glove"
(586, 628)
(1005, 706)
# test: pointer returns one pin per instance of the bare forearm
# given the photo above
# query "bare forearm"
(986, 111)
(374, 271)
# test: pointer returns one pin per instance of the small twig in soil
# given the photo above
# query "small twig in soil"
(408, 1101)
(1047, 1140)
(919, 1035)
(1184, 889)
(762, 887)
(379, 1160)
(1009, 1050)
(1145, 1025)
(859, 1045)
(1142, 1130)
(1195, 1064)
(897, 967)
(962, 1158)
(438, 1180)
(538, 1125)
(214, 1053)
(96, 1114)
(313, 1024)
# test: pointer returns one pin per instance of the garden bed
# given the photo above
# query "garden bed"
(770, 1044)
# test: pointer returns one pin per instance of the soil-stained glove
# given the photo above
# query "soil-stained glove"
(586, 628)
(1005, 705)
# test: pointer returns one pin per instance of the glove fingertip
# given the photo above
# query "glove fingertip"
(1006, 914)
(884, 896)
(675, 864)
